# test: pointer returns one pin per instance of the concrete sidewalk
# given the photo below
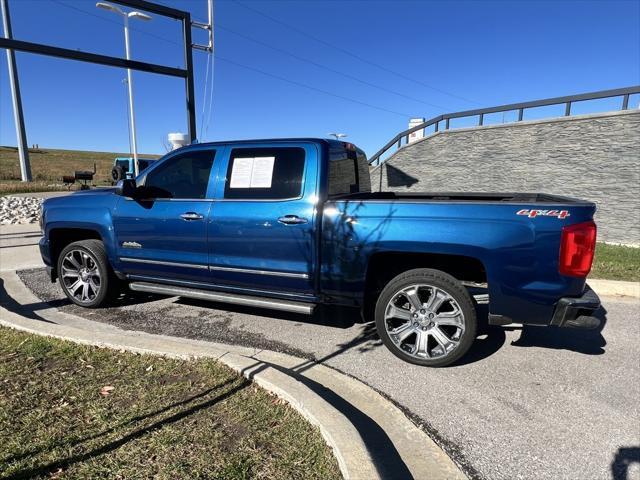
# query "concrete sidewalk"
(57, 193)
(19, 247)
(371, 438)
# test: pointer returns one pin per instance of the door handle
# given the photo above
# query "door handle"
(292, 220)
(191, 216)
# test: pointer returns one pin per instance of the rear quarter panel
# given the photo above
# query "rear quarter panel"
(520, 254)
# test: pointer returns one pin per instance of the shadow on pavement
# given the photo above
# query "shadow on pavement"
(588, 342)
(28, 311)
(625, 457)
(486, 344)
(330, 316)
(366, 340)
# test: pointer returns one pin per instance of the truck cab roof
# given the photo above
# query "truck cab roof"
(331, 143)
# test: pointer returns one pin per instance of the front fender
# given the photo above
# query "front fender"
(97, 219)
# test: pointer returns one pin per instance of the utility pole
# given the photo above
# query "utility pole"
(18, 116)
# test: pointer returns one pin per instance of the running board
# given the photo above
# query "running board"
(246, 300)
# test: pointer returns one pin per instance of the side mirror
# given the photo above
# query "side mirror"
(126, 188)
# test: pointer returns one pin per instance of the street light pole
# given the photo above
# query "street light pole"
(132, 119)
(337, 136)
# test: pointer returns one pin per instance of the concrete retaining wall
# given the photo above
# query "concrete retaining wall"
(595, 157)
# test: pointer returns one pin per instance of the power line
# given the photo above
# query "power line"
(259, 42)
(204, 96)
(351, 54)
(210, 108)
(158, 37)
(330, 69)
(99, 17)
(300, 84)
(262, 72)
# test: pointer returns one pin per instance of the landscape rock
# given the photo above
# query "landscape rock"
(19, 210)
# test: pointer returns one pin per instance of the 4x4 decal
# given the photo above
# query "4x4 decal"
(544, 213)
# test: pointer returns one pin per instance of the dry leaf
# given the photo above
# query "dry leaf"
(57, 473)
(106, 390)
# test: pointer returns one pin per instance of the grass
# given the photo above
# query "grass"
(9, 188)
(164, 418)
(616, 262)
(49, 165)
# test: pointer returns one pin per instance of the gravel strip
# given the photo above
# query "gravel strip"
(19, 210)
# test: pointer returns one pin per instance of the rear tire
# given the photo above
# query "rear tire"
(85, 275)
(426, 317)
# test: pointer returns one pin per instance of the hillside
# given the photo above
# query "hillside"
(49, 165)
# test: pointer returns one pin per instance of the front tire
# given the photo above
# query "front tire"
(426, 317)
(85, 274)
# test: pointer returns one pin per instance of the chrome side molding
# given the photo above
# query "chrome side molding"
(212, 296)
(163, 262)
(273, 273)
(259, 272)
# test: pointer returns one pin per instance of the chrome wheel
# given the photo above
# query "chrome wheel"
(424, 321)
(81, 276)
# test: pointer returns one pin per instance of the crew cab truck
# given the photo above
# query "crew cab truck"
(292, 225)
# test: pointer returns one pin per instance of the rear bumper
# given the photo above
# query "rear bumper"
(577, 312)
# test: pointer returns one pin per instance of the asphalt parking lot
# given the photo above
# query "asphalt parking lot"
(525, 403)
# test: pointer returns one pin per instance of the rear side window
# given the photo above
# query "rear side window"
(348, 172)
(265, 173)
(183, 176)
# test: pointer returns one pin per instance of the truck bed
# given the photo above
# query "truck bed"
(474, 197)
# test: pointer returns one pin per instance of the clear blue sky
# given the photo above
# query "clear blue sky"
(436, 57)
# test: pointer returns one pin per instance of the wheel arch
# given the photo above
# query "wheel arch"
(60, 237)
(384, 266)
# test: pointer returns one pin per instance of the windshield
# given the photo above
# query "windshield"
(124, 164)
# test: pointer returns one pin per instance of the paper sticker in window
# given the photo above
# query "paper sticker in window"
(252, 172)
(262, 172)
(241, 173)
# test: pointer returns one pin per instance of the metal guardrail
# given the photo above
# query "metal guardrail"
(519, 107)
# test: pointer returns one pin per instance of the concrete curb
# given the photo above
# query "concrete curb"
(370, 437)
(615, 288)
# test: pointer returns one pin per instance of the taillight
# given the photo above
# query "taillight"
(577, 246)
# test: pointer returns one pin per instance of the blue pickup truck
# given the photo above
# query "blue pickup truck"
(292, 225)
